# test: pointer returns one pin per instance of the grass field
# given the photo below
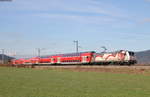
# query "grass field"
(24, 82)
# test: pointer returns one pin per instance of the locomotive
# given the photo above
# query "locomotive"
(121, 57)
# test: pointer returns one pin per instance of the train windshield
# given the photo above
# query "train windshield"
(131, 53)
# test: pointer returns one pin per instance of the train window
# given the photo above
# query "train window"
(131, 53)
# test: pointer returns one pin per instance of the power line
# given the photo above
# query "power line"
(105, 49)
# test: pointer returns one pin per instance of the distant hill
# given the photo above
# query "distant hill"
(6, 58)
(143, 57)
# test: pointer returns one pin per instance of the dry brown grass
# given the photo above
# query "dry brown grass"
(112, 69)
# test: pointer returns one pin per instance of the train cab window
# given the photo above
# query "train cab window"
(131, 53)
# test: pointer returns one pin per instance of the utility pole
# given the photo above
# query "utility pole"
(3, 56)
(77, 46)
(39, 51)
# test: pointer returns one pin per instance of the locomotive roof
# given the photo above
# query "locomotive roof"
(111, 52)
(114, 52)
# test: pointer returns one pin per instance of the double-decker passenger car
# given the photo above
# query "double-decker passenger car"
(77, 58)
(71, 58)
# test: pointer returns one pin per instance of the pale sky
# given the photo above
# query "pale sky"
(26, 25)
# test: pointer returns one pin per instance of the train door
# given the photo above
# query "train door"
(58, 60)
(84, 59)
(52, 60)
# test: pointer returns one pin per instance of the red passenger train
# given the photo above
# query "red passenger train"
(119, 57)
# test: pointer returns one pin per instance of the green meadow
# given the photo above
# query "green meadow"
(25, 82)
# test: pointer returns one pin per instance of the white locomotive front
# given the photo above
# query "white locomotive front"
(122, 57)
